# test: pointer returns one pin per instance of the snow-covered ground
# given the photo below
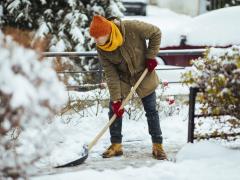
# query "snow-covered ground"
(194, 161)
(77, 131)
(206, 159)
(209, 160)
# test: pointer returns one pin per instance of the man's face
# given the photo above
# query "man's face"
(102, 40)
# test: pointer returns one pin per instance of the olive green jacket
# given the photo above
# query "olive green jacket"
(124, 66)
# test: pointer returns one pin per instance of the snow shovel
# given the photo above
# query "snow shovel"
(87, 148)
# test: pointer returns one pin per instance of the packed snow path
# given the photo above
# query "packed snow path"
(136, 154)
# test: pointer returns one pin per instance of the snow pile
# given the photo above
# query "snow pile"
(30, 94)
(167, 20)
(217, 28)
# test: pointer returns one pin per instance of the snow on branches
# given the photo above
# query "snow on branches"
(30, 95)
(218, 74)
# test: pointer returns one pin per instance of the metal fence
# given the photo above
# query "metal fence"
(162, 54)
(191, 118)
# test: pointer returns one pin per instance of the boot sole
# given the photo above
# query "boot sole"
(158, 158)
(115, 155)
(161, 159)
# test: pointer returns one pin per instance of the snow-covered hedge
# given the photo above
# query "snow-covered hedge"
(218, 74)
(30, 95)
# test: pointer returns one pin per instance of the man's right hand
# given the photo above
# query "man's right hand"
(116, 108)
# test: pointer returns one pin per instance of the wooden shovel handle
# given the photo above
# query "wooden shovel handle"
(133, 89)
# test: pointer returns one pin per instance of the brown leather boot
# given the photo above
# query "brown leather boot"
(114, 150)
(158, 152)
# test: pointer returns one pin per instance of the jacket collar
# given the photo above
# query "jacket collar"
(121, 26)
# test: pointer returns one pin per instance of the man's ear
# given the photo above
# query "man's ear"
(114, 19)
(117, 22)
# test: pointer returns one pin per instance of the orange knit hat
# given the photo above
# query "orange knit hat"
(100, 26)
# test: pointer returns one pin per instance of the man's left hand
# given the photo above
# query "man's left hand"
(151, 64)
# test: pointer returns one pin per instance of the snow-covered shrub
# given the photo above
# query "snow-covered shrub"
(218, 74)
(89, 103)
(30, 95)
(65, 24)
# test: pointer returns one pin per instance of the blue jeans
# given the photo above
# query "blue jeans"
(149, 104)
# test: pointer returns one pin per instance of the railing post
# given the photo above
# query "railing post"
(192, 100)
(101, 74)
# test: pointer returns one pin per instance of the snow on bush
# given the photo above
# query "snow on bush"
(65, 25)
(30, 95)
(218, 74)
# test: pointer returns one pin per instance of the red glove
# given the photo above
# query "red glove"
(115, 108)
(151, 64)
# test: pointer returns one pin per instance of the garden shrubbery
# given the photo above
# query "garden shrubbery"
(218, 75)
(30, 96)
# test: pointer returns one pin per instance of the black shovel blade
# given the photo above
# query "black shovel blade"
(77, 161)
